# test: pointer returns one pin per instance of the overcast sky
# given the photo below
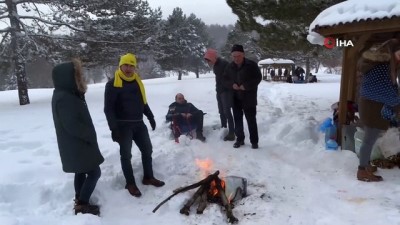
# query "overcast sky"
(210, 11)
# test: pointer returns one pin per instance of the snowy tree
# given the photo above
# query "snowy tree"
(249, 40)
(198, 43)
(23, 31)
(118, 27)
(182, 43)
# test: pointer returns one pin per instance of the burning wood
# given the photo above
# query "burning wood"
(212, 189)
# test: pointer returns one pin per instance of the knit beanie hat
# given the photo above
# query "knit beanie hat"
(128, 59)
(210, 54)
(237, 48)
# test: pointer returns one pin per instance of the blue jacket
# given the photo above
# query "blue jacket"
(377, 86)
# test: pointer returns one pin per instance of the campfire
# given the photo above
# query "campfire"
(214, 190)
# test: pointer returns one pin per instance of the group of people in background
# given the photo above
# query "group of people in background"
(125, 104)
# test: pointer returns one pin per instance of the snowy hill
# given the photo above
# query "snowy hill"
(292, 179)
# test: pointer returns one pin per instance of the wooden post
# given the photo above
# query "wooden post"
(348, 81)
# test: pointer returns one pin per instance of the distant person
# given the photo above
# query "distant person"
(280, 71)
(286, 72)
(312, 78)
(76, 135)
(185, 114)
(125, 103)
(224, 95)
(243, 76)
(379, 101)
(272, 73)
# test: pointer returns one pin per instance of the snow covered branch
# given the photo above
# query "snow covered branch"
(51, 22)
(5, 30)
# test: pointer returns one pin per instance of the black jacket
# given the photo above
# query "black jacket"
(218, 69)
(124, 104)
(76, 135)
(175, 109)
(248, 75)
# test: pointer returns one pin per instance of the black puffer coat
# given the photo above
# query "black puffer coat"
(76, 135)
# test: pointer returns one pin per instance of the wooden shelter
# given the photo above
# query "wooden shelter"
(363, 34)
(275, 63)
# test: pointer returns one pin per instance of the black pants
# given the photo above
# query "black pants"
(250, 114)
(139, 134)
(225, 100)
(84, 184)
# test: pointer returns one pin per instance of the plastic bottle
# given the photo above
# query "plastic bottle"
(330, 134)
(331, 145)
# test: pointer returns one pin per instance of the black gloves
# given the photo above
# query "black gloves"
(152, 123)
(115, 135)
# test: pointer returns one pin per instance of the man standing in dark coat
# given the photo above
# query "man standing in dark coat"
(224, 95)
(76, 135)
(243, 76)
(124, 105)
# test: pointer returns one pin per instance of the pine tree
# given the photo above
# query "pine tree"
(285, 21)
(249, 40)
(284, 26)
(182, 43)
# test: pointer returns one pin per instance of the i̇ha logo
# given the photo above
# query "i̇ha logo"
(330, 42)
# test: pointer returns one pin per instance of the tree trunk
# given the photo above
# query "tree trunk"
(19, 63)
(307, 69)
(197, 72)
(179, 75)
(318, 65)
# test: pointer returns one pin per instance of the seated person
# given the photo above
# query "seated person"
(312, 78)
(352, 109)
(185, 117)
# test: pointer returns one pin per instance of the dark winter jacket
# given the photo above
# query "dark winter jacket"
(218, 69)
(175, 109)
(124, 104)
(76, 135)
(248, 75)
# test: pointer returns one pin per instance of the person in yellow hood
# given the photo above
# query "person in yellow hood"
(125, 104)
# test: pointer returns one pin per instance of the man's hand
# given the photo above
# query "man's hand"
(236, 87)
(152, 123)
(242, 87)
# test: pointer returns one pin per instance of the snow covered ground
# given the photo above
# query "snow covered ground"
(292, 179)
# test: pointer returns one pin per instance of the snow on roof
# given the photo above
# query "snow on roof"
(271, 61)
(352, 11)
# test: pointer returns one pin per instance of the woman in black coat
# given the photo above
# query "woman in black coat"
(76, 135)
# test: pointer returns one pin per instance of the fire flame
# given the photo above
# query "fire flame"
(205, 165)
(213, 191)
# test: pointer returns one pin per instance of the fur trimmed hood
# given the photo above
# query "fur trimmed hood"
(69, 76)
(378, 54)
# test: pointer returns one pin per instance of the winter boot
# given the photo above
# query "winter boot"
(86, 208)
(237, 144)
(133, 190)
(371, 168)
(229, 137)
(199, 136)
(254, 146)
(153, 181)
(363, 174)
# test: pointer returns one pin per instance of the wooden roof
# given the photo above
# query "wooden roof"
(364, 33)
(384, 25)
